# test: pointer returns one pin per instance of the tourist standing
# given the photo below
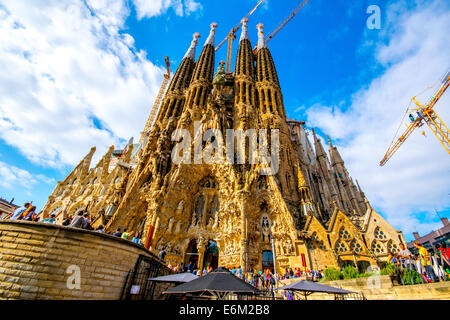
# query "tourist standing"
(50, 219)
(162, 254)
(239, 272)
(67, 221)
(404, 256)
(100, 229)
(117, 233)
(137, 240)
(425, 260)
(19, 211)
(86, 222)
(78, 221)
(126, 235)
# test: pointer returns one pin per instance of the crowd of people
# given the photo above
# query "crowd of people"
(433, 267)
(81, 220)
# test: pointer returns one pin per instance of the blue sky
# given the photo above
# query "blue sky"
(83, 73)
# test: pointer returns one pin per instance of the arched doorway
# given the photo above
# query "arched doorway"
(267, 260)
(211, 255)
(191, 254)
(363, 266)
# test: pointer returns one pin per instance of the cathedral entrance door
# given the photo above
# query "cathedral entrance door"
(191, 254)
(211, 255)
(267, 260)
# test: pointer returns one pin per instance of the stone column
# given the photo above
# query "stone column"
(201, 248)
(244, 235)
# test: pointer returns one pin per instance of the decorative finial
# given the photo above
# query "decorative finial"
(261, 39)
(244, 34)
(222, 62)
(211, 38)
(191, 51)
(329, 142)
(195, 36)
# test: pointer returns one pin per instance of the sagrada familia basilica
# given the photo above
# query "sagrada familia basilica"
(309, 214)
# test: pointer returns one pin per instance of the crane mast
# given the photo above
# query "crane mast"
(424, 113)
(156, 104)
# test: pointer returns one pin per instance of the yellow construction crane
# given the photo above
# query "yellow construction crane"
(281, 26)
(420, 114)
(292, 15)
(156, 104)
(232, 35)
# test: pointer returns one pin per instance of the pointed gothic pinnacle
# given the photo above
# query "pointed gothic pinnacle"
(261, 38)
(244, 33)
(211, 39)
(191, 51)
(314, 135)
(329, 142)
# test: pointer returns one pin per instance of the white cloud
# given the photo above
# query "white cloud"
(192, 6)
(416, 179)
(152, 8)
(70, 80)
(12, 177)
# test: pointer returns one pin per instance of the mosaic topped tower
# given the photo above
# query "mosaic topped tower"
(309, 213)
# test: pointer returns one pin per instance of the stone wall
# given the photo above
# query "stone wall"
(35, 260)
(383, 288)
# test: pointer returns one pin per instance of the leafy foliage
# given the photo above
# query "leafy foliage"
(332, 274)
(388, 270)
(350, 272)
(411, 277)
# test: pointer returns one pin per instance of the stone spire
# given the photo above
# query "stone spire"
(335, 156)
(269, 92)
(106, 158)
(204, 69)
(82, 169)
(244, 60)
(320, 152)
(244, 84)
(85, 164)
(173, 102)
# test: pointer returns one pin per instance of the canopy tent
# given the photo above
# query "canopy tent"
(176, 278)
(218, 283)
(308, 287)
